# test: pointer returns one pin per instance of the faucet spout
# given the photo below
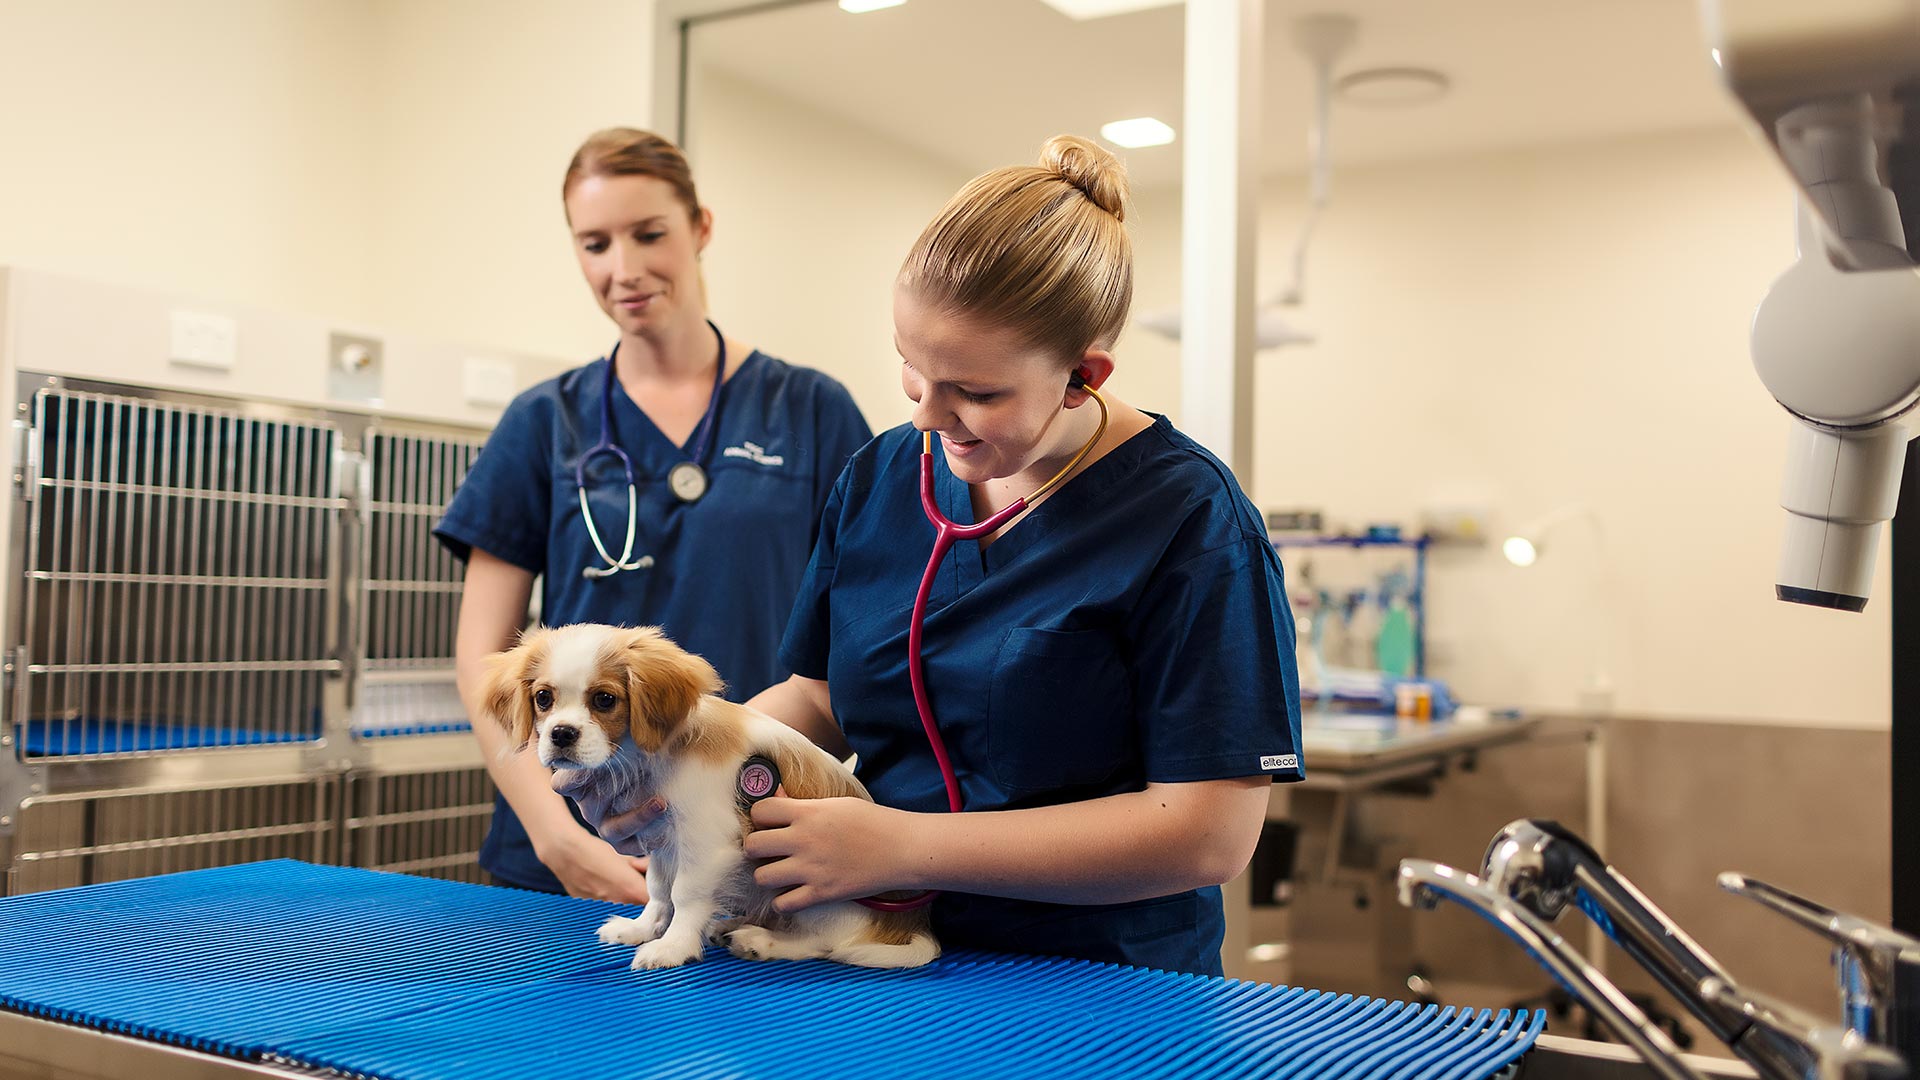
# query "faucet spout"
(1545, 867)
(1423, 884)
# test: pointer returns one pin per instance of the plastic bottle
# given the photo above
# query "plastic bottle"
(1394, 648)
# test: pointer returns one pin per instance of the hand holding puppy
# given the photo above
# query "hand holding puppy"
(822, 850)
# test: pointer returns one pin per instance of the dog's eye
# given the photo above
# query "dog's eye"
(603, 701)
(543, 700)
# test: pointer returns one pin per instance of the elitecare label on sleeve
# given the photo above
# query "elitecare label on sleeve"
(1280, 761)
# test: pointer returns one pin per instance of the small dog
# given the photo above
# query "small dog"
(581, 690)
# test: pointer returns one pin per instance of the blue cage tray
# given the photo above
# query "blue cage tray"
(383, 975)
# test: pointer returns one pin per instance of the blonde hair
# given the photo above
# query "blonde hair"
(624, 151)
(1038, 249)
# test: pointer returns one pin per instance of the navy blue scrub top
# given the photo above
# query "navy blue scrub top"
(1132, 629)
(725, 569)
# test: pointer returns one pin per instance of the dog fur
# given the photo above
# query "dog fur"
(577, 691)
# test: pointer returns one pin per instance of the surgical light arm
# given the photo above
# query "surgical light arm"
(1837, 338)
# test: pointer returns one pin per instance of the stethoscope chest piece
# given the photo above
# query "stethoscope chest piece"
(687, 481)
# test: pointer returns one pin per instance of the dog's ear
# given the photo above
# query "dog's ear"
(507, 693)
(664, 683)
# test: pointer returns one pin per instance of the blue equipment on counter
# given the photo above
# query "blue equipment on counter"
(383, 975)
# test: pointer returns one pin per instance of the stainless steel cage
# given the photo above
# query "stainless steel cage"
(230, 637)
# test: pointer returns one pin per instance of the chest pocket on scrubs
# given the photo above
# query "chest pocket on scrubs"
(1059, 713)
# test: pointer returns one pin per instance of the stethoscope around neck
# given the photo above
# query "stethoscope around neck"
(687, 479)
(946, 532)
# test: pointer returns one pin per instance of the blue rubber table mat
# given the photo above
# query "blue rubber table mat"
(384, 975)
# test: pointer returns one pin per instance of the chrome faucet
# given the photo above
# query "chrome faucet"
(1878, 968)
(1544, 867)
(1423, 884)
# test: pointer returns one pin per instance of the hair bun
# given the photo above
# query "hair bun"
(1090, 167)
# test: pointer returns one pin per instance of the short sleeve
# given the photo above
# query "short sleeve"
(504, 504)
(1215, 680)
(809, 636)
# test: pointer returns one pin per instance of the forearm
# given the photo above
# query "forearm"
(1164, 840)
(802, 704)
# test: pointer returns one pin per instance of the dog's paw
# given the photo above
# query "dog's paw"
(620, 930)
(664, 953)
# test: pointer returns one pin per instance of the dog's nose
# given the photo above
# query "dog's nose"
(564, 735)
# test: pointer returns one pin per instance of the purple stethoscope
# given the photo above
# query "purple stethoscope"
(946, 531)
(687, 479)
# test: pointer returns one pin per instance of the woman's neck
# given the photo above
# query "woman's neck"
(1068, 436)
(669, 354)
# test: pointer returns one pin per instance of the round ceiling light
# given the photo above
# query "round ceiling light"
(1392, 86)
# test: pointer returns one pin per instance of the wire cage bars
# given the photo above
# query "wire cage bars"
(222, 613)
(177, 577)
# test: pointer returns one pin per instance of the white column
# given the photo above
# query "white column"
(1224, 45)
(1224, 39)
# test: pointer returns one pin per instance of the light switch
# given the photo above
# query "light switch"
(490, 382)
(202, 340)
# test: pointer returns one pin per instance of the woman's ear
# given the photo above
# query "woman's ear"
(1093, 370)
(702, 230)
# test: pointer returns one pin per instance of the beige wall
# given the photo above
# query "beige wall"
(211, 147)
(812, 216)
(1543, 327)
(392, 165)
(482, 104)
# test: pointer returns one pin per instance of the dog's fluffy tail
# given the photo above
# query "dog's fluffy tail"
(808, 772)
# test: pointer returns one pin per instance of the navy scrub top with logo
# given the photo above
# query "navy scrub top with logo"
(1132, 629)
(725, 569)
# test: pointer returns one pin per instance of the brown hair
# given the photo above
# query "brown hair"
(1040, 249)
(623, 151)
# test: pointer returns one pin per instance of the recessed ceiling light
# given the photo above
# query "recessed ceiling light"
(860, 6)
(1100, 9)
(1137, 132)
(1392, 86)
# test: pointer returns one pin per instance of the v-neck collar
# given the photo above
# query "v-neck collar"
(968, 564)
(652, 433)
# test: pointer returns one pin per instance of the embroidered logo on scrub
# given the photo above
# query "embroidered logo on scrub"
(755, 453)
(1280, 761)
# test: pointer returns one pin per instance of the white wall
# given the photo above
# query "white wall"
(214, 147)
(1550, 326)
(391, 165)
(481, 104)
(812, 217)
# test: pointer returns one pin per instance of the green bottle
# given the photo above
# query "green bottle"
(1393, 649)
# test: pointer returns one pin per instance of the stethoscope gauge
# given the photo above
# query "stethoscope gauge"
(687, 481)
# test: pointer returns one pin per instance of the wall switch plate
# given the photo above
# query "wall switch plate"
(490, 382)
(198, 339)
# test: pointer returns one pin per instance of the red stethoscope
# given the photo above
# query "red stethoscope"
(946, 532)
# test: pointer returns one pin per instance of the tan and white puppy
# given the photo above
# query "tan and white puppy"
(580, 691)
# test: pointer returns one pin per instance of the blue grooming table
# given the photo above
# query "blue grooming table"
(300, 967)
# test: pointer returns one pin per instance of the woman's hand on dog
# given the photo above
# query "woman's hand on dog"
(628, 828)
(589, 866)
(822, 850)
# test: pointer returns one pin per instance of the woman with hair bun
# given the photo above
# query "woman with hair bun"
(1111, 671)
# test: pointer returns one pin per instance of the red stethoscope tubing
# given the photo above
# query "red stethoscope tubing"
(946, 531)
